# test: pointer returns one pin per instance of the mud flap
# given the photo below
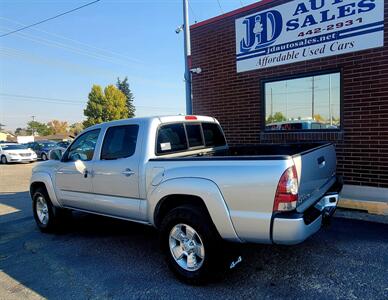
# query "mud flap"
(232, 257)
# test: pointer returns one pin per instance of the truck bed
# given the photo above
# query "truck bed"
(315, 164)
(260, 151)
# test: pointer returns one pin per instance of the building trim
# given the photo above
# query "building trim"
(232, 13)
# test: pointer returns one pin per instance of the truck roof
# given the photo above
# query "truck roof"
(161, 119)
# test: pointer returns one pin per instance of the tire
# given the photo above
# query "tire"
(44, 156)
(47, 217)
(200, 257)
(4, 160)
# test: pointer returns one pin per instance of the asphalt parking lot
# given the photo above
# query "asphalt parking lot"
(101, 258)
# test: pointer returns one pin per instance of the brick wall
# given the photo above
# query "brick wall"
(235, 99)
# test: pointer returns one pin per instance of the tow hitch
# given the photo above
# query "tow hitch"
(327, 205)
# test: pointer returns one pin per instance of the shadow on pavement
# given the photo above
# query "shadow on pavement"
(99, 257)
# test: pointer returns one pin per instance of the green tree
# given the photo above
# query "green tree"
(277, 117)
(76, 128)
(105, 106)
(39, 128)
(123, 86)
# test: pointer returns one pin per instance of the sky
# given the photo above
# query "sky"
(48, 70)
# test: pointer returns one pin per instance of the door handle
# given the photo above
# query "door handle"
(128, 172)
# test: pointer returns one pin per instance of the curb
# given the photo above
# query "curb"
(372, 207)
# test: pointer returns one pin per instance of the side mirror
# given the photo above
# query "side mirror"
(55, 154)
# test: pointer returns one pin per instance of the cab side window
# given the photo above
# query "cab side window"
(119, 142)
(171, 138)
(83, 147)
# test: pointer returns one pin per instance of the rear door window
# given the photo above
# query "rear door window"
(171, 138)
(213, 135)
(194, 135)
(119, 142)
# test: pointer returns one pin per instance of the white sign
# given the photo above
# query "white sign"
(307, 29)
(25, 139)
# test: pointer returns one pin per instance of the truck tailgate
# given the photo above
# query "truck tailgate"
(316, 174)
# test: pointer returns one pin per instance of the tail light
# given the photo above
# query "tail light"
(286, 195)
(190, 118)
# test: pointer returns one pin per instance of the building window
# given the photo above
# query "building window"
(304, 103)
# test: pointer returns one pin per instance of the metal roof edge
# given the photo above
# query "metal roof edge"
(231, 13)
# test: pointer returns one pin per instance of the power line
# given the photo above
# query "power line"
(110, 52)
(70, 48)
(74, 68)
(70, 102)
(48, 19)
(219, 4)
(41, 98)
(193, 12)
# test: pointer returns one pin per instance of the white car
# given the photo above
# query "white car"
(16, 153)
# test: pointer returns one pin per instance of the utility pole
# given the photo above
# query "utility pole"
(187, 50)
(33, 127)
(312, 98)
(286, 102)
(330, 112)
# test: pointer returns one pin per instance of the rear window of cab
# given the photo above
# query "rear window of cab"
(178, 137)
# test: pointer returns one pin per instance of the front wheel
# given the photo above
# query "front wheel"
(44, 156)
(46, 216)
(189, 241)
(4, 160)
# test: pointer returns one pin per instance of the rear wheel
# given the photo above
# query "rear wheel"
(189, 241)
(44, 156)
(4, 160)
(186, 247)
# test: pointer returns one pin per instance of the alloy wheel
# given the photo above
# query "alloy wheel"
(42, 210)
(186, 247)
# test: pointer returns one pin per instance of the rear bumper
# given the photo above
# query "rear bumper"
(294, 228)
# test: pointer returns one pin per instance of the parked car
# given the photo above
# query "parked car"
(63, 144)
(56, 152)
(11, 152)
(42, 148)
(179, 174)
(299, 125)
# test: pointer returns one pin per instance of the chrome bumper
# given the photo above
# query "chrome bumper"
(290, 229)
(26, 159)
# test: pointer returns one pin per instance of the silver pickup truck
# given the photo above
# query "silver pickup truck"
(177, 173)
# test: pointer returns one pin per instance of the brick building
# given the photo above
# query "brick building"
(341, 97)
